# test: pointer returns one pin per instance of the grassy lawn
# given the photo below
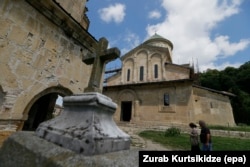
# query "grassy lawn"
(181, 142)
(242, 128)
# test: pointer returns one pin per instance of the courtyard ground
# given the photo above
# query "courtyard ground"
(139, 142)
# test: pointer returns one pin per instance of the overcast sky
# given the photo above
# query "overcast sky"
(211, 33)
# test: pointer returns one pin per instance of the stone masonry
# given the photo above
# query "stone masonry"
(41, 51)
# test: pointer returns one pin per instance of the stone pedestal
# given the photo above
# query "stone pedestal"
(86, 126)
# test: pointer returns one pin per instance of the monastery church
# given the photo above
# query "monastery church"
(150, 90)
(42, 46)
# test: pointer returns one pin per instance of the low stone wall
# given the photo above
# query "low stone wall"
(235, 134)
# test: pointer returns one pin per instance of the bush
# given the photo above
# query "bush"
(172, 132)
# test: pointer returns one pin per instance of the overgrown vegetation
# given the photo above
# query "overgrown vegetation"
(172, 132)
(235, 81)
(181, 142)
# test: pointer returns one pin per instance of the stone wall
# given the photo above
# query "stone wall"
(148, 102)
(186, 104)
(213, 107)
(38, 56)
(75, 8)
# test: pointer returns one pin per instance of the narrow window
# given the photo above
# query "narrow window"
(166, 99)
(128, 75)
(156, 70)
(141, 73)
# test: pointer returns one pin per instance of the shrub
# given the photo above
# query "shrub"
(172, 132)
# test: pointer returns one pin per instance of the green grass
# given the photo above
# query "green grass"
(242, 128)
(181, 142)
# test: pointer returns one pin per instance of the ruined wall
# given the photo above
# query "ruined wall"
(36, 55)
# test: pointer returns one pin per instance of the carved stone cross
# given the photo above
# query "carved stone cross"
(100, 58)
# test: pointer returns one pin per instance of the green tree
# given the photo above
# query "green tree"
(210, 79)
(244, 77)
(236, 81)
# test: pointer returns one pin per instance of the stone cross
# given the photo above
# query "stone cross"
(86, 125)
(99, 59)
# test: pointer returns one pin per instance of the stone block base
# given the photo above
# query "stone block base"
(25, 149)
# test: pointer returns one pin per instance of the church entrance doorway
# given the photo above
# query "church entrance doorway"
(41, 111)
(126, 110)
(44, 106)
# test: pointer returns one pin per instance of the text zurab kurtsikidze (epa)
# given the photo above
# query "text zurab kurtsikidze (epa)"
(235, 158)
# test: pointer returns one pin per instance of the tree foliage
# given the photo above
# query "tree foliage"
(233, 80)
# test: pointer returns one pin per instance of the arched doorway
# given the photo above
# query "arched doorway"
(126, 111)
(127, 108)
(41, 108)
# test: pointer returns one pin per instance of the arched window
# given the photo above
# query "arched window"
(141, 73)
(155, 71)
(128, 75)
(166, 99)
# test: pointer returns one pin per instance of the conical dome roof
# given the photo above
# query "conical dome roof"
(157, 38)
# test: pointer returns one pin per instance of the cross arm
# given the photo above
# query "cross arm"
(110, 54)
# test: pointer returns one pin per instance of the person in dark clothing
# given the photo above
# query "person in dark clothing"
(194, 138)
(205, 137)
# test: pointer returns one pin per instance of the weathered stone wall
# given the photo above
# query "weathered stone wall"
(76, 8)
(174, 72)
(212, 107)
(148, 102)
(36, 57)
(187, 104)
(114, 80)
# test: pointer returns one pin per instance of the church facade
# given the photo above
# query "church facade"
(150, 89)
